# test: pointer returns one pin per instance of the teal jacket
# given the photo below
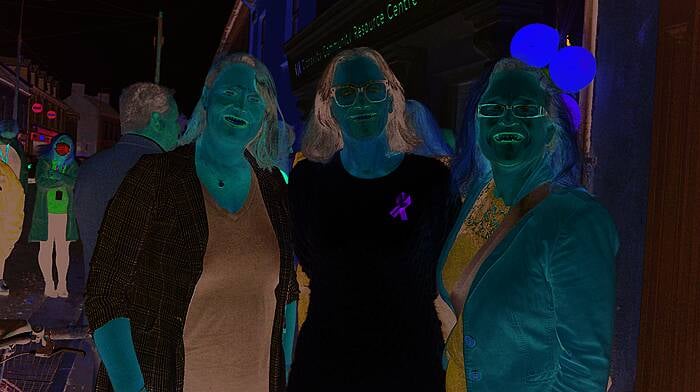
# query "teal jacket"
(40, 219)
(539, 313)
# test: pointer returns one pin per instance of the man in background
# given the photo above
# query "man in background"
(149, 125)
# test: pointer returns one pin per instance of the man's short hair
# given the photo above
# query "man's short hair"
(138, 101)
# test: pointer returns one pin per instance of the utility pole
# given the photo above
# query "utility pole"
(15, 110)
(159, 44)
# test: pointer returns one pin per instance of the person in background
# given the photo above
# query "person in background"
(11, 216)
(53, 220)
(12, 155)
(149, 124)
(12, 151)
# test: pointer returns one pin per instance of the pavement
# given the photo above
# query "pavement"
(64, 371)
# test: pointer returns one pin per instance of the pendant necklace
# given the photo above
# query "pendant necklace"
(211, 173)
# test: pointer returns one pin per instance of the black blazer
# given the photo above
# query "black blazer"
(148, 259)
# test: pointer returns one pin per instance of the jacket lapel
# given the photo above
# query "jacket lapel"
(189, 198)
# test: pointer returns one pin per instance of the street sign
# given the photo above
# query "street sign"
(51, 115)
(37, 107)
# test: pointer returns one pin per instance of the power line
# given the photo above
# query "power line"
(69, 33)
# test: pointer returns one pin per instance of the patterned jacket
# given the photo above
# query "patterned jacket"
(148, 258)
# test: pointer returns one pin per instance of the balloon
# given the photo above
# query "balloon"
(535, 44)
(572, 68)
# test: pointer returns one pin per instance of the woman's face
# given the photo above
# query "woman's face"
(235, 109)
(361, 115)
(63, 148)
(518, 135)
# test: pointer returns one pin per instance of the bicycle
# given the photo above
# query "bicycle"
(15, 332)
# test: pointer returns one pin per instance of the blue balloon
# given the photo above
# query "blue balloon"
(535, 44)
(572, 68)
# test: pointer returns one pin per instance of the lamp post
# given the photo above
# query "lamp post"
(15, 111)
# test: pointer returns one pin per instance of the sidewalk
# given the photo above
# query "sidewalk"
(26, 301)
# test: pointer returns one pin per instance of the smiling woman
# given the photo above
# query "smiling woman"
(532, 285)
(228, 268)
(369, 224)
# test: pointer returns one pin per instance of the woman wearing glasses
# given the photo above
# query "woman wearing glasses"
(369, 222)
(535, 297)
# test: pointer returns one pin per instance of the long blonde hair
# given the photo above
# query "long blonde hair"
(264, 146)
(323, 136)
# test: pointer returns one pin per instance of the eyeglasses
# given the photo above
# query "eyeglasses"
(346, 95)
(494, 110)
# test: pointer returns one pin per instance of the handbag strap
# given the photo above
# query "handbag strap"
(461, 288)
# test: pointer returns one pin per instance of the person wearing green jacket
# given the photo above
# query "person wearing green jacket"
(53, 221)
(536, 303)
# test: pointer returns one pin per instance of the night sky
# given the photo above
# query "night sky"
(109, 44)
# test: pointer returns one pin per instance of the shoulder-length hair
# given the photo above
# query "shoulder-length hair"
(432, 143)
(323, 136)
(264, 146)
(470, 168)
(48, 151)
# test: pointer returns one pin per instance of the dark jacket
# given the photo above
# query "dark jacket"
(149, 255)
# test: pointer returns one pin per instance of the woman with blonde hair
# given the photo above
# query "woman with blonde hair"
(193, 268)
(369, 221)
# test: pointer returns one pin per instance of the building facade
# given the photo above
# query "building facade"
(261, 27)
(7, 95)
(42, 114)
(99, 126)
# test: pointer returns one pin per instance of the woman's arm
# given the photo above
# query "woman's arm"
(581, 273)
(45, 176)
(289, 334)
(116, 348)
(125, 226)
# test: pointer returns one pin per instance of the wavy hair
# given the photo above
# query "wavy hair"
(432, 142)
(323, 137)
(264, 146)
(470, 168)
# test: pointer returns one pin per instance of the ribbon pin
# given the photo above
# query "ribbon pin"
(403, 200)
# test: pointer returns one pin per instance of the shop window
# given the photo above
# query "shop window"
(295, 16)
(261, 46)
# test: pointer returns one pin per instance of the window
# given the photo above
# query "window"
(295, 16)
(261, 47)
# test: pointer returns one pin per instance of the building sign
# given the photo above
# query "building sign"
(372, 23)
(37, 107)
(42, 135)
(51, 115)
(390, 13)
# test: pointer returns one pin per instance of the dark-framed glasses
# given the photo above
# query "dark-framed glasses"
(493, 110)
(346, 95)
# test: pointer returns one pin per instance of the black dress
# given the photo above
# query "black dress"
(371, 256)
